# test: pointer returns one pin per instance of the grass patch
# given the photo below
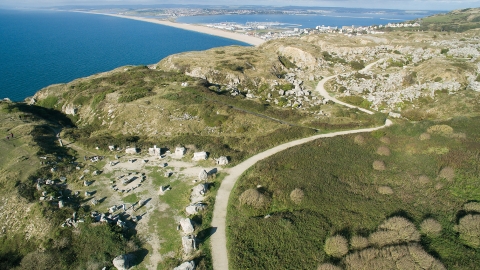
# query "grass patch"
(132, 198)
(342, 197)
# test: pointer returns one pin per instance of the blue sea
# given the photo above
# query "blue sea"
(40, 48)
(311, 21)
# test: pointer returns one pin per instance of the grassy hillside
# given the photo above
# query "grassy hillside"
(335, 201)
(455, 21)
(31, 236)
(347, 186)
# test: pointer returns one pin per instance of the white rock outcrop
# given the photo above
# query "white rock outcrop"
(186, 225)
(186, 266)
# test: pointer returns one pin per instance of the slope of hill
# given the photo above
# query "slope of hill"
(235, 102)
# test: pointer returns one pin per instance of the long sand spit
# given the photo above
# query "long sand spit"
(255, 41)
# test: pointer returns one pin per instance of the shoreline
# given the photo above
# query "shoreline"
(254, 41)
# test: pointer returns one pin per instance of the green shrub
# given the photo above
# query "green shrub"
(285, 62)
(285, 87)
(49, 102)
(81, 99)
(357, 65)
(134, 93)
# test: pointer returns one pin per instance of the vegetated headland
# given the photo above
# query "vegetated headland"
(122, 168)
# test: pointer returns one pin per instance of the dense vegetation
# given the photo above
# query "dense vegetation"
(427, 171)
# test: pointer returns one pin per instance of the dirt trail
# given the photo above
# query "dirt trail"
(219, 239)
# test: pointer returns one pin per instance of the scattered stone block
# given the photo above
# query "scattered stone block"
(223, 160)
(194, 208)
(131, 150)
(203, 175)
(200, 156)
(123, 262)
(186, 266)
(188, 244)
(186, 225)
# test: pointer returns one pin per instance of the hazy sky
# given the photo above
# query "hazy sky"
(393, 4)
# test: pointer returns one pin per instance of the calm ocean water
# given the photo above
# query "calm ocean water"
(40, 48)
(310, 21)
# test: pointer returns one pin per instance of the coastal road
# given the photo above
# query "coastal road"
(218, 239)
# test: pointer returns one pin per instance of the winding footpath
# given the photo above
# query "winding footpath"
(218, 239)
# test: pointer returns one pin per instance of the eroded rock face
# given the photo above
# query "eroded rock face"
(69, 109)
(300, 58)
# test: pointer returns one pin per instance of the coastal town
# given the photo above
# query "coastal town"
(266, 30)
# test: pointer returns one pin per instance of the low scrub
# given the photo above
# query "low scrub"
(469, 229)
(431, 227)
(394, 230)
(297, 195)
(336, 246)
(254, 198)
(379, 165)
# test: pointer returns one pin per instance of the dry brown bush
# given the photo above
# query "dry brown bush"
(379, 165)
(472, 207)
(297, 195)
(359, 139)
(38, 260)
(336, 246)
(385, 140)
(358, 242)
(394, 230)
(440, 130)
(383, 151)
(469, 229)
(431, 227)
(385, 190)
(424, 136)
(423, 179)
(402, 257)
(447, 173)
(327, 266)
(254, 198)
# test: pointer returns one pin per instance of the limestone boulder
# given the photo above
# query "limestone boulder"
(188, 244)
(186, 225)
(123, 262)
(203, 175)
(186, 266)
(194, 208)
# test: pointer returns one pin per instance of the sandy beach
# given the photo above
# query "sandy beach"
(255, 41)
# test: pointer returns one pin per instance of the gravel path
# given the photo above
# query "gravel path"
(218, 238)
